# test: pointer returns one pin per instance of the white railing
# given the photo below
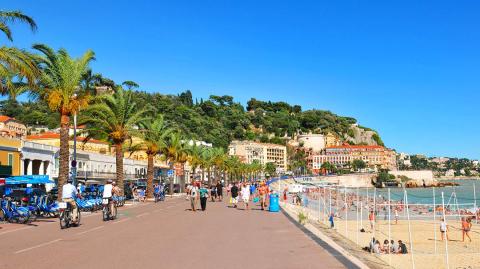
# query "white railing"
(33, 145)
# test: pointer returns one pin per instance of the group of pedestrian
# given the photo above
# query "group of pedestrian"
(198, 191)
(216, 192)
(247, 192)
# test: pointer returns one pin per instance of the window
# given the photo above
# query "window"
(10, 159)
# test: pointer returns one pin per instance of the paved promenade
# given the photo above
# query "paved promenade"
(166, 235)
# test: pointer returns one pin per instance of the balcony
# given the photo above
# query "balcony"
(32, 145)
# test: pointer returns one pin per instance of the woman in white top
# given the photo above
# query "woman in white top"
(444, 230)
(245, 194)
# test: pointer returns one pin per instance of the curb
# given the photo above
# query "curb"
(327, 240)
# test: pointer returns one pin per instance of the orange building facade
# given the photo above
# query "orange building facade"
(375, 157)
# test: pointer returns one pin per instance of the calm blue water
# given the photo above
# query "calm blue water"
(464, 193)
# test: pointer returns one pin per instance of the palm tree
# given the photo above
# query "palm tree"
(14, 16)
(219, 158)
(175, 152)
(233, 167)
(12, 59)
(154, 135)
(194, 153)
(115, 119)
(59, 86)
(207, 159)
(13, 86)
(256, 168)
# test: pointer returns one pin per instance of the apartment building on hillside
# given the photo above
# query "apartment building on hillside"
(249, 151)
(375, 157)
(10, 127)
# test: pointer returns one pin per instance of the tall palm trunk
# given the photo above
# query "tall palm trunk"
(150, 176)
(182, 179)
(63, 171)
(119, 166)
(203, 175)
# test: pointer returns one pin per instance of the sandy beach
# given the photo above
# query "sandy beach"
(428, 248)
(429, 251)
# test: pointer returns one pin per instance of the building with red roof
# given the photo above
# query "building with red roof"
(374, 156)
(12, 128)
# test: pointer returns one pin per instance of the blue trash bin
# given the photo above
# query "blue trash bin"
(274, 206)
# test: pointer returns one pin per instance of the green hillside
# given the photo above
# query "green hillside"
(217, 120)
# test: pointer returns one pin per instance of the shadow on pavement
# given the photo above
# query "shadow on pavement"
(339, 256)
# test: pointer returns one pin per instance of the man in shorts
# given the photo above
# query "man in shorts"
(219, 190)
(262, 193)
(234, 194)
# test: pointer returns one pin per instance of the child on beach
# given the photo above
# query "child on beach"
(332, 224)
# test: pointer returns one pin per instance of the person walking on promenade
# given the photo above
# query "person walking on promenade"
(213, 192)
(332, 224)
(466, 227)
(444, 230)
(193, 196)
(229, 187)
(246, 194)
(234, 194)
(262, 192)
(203, 197)
(220, 191)
(371, 218)
(253, 189)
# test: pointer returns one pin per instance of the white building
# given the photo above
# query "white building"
(249, 151)
(41, 159)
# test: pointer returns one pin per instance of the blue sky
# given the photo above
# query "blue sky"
(410, 69)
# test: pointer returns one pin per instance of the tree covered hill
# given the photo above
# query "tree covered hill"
(220, 119)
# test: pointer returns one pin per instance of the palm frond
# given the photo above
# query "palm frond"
(12, 17)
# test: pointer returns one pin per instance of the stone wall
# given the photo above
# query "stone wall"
(417, 175)
(351, 180)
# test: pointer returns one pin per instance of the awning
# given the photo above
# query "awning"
(32, 179)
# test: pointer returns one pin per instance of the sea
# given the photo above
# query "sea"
(466, 195)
